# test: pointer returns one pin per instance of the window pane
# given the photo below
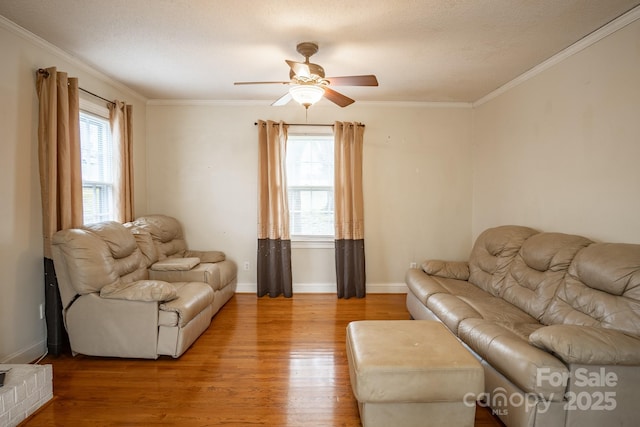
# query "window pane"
(310, 185)
(97, 156)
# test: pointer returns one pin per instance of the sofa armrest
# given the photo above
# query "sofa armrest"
(588, 345)
(207, 256)
(141, 290)
(448, 269)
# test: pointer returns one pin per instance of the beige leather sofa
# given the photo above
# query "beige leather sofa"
(172, 261)
(110, 305)
(553, 318)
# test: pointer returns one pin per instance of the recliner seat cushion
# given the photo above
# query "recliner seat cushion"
(193, 297)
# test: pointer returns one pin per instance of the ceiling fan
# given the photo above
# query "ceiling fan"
(308, 83)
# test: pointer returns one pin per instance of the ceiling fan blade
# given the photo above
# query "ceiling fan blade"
(300, 69)
(337, 98)
(261, 83)
(283, 100)
(368, 80)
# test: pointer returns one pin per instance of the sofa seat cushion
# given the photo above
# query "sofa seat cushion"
(193, 297)
(462, 289)
(423, 285)
(588, 345)
(533, 370)
(451, 310)
(498, 310)
(523, 330)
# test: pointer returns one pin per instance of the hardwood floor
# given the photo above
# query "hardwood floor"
(270, 362)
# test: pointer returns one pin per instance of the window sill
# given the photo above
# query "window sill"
(308, 242)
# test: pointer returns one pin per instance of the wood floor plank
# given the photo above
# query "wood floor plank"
(262, 362)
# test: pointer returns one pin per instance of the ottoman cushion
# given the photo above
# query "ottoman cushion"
(410, 361)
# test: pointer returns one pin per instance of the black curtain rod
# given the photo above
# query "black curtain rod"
(308, 124)
(46, 74)
(97, 96)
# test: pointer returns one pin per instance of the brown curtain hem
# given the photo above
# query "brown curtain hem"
(350, 268)
(274, 268)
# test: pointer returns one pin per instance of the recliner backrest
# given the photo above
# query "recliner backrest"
(601, 288)
(94, 256)
(538, 269)
(166, 233)
(492, 252)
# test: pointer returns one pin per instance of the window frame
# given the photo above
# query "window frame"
(101, 112)
(303, 241)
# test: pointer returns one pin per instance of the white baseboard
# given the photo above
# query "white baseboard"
(328, 288)
(27, 355)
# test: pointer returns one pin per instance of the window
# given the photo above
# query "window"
(98, 175)
(310, 186)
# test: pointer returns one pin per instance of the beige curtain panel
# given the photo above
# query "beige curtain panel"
(349, 210)
(274, 244)
(121, 119)
(58, 153)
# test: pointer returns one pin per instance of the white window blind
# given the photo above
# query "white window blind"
(97, 156)
(310, 185)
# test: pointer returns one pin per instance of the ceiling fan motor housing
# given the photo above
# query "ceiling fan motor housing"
(307, 49)
(308, 82)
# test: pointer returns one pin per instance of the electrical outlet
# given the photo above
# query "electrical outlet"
(41, 311)
(413, 265)
(246, 266)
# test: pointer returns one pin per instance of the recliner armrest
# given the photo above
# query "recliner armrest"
(448, 269)
(588, 345)
(141, 290)
(176, 264)
(207, 256)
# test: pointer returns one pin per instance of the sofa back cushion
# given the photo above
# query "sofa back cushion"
(95, 256)
(537, 270)
(492, 253)
(601, 288)
(166, 233)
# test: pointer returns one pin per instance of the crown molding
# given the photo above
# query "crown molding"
(54, 50)
(263, 103)
(580, 45)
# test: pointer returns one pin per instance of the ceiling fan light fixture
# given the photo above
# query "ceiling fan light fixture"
(306, 95)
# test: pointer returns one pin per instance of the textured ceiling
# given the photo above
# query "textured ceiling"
(420, 50)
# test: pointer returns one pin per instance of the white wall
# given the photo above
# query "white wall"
(22, 332)
(560, 152)
(202, 169)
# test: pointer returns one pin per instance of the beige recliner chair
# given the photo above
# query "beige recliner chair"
(174, 262)
(111, 308)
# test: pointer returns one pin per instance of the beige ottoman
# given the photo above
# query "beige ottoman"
(411, 373)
